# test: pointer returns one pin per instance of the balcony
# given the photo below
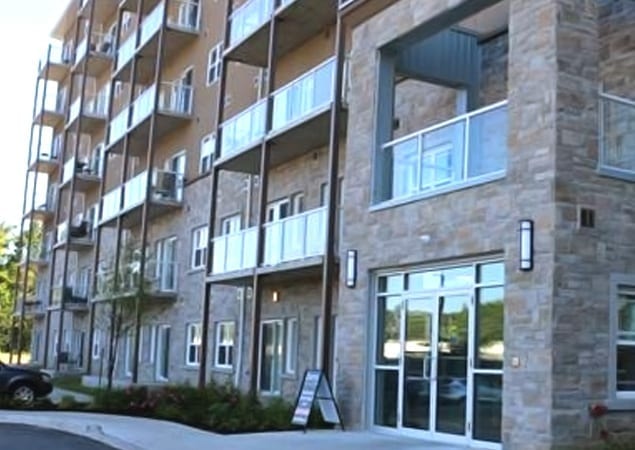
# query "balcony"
(103, 9)
(295, 243)
(181, 28)
(166, 195)
(97, 53)
(41, 213)
(298, 21)
(94, 113)
(160, 282)
(76, 237)
(73, 298)
(32, 308)
(241, 135)
(235, 253)
(56, 63)
(47, 160)
(174, 110)
(300, 123)
(299, 237)
(87, 173)
(39, 254)
(51, 113)
(464, 151)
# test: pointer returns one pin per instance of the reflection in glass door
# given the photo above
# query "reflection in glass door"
(417, 363)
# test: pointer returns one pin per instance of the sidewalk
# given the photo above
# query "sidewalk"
(131, 433)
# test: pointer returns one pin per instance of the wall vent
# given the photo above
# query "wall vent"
(586, 218)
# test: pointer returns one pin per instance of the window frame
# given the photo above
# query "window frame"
(206, 157)
(199, 247)
(617, 399)
(291, 346)
(214, 64)
(218, 344)
(190, 342)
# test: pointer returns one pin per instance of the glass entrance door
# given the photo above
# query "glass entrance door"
(422, 382)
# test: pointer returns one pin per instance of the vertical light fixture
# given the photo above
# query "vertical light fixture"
(351, 268)
(275, 296)
(526, 244)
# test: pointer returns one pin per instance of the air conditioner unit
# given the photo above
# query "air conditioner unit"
(165, 184)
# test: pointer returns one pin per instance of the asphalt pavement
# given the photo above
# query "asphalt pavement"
(27, 437)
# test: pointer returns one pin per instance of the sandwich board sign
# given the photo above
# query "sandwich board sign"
(316, 387)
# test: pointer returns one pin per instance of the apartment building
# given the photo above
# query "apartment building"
(431, 201)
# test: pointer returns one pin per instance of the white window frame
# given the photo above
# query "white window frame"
(96, 350)
(227, 224)
(206, 160)
(618, 283)
(200, 237)
(193, 332)
(291, 334)
(214, 64)
(219, 342)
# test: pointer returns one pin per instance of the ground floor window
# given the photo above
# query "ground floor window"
(623, 337)
(225, 332)
(438, 355)
(193, 345)
(162, 360)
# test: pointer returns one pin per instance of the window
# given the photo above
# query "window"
(193, 344)
(617, 135)
(165, 270)
(207, 153)
(214, 63)
(126, 21)
(118, 88)
(230, 225)
(291, 346)
(199, 247)
(623, 334)
(96, 351)
(224, 345)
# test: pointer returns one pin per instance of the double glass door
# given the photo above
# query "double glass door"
(423, 369)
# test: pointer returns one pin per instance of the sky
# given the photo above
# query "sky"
(24, 35)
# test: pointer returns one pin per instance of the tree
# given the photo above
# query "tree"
(11, 250)
(123, 290)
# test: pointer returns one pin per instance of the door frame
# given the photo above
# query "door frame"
(432, 434)
(279, 323)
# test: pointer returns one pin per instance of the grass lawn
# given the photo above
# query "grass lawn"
(73, 383)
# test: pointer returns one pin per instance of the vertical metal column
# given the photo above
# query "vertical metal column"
(329, 273)
(148, 193)
(82, 95)
(211, 226)
(262, 211)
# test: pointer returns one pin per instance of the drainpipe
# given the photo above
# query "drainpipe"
(241, 334)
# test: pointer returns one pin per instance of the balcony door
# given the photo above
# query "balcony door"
(162, 360)
(176, 167)
(166, 272)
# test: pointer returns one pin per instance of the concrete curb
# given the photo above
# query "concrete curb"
(92, 431)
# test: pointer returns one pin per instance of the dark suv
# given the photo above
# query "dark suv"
(22, 384)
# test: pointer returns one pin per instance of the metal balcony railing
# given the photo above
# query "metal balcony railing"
(161, 277)
(81, 229)
(236, 251)
(175, 98)
(244, 129)
(296, 237)
(184, 14)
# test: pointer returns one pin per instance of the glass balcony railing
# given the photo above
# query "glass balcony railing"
(617, 135)
(111, 204)
(151, 24)
(96, 106)
(304, 95)
(100, 44)
(161, 277)
(184, 14)
(244, 129)
(166, 186)
(175, 98)
(143, 105)
(68, 170)
(118, 126)
(126, 50)
(467, 148)
(296, 237)
(81, 229)
(248, 18)
(236, 251)
(56, 53)
(73, 296)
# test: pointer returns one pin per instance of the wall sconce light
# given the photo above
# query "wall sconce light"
(275, 296)
(526, 243)
(351, 268)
